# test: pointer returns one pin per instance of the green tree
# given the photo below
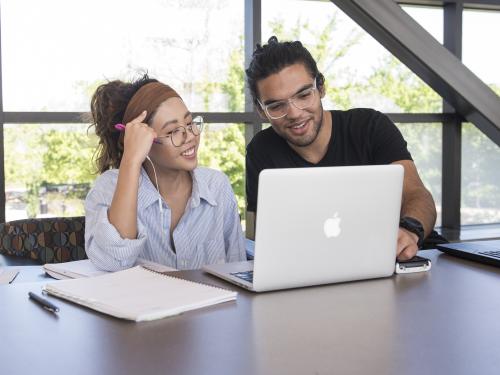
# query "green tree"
(223, 147)
(328, 53)
(48, 155)
(480, 156)
(394, 81)
(67, 157)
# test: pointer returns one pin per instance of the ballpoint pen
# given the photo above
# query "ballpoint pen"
(43, 302)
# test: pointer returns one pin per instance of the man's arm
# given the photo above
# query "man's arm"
(417, 202)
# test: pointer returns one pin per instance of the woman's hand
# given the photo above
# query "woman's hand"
(138, 139)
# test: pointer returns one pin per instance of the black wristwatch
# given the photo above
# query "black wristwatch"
(414, 226)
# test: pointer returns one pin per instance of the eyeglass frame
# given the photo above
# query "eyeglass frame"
(288, 101)
(185, 130)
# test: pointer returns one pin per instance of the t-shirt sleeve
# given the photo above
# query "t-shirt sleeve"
(387, 142)
(253, 167)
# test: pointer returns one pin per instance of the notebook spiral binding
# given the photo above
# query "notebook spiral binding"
(153, 270)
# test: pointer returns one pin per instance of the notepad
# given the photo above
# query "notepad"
(85, 268)
(138, 294)
(7, 275)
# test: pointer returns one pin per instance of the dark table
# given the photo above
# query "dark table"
(445, 321)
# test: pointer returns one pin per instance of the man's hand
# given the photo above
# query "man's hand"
(407, 244)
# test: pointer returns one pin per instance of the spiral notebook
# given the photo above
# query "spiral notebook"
(139, 294)
(85, 268)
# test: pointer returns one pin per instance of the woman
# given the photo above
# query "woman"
(158, 205)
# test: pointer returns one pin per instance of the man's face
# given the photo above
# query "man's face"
(300, 127)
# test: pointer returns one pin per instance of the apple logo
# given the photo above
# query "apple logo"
(332, 226)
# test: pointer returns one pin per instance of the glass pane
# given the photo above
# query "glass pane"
(223, 147)
(47, 169)
(425, 145)
(480, 178)
(359, 72)
(55, 52)
(480, 51)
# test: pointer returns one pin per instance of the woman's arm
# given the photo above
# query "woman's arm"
(137, 143)
(104, 245)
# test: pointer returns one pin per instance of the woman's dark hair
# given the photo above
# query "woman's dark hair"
(273, 57)
(107, 108)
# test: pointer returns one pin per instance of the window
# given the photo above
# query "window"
(480, 178)
(55, 52)
(359, 71)
(480, 156)
(425, 146)
(48, 169)
(54, 55)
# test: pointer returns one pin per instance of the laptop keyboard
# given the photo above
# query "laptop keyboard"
(247, 275)
(494, 254)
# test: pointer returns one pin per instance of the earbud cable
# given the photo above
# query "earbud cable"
(160, 206)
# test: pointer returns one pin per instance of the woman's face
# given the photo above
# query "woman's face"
(171, 123)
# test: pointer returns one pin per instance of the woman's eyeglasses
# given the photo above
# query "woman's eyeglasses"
(178, 136)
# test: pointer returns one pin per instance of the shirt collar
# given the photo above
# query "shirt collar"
(148, 194)
(201, 190)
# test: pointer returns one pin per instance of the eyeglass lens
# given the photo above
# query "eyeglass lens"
(179, 135)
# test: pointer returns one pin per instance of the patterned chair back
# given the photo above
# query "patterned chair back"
(47, 240)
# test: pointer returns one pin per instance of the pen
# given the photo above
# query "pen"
(121, 127)
(43, 302)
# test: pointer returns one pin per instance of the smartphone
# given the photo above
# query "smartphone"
(415, 264)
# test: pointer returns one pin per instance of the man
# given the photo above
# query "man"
(287, 88)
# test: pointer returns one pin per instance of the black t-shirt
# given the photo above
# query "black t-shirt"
(359, 137)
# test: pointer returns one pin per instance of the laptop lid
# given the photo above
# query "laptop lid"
(326, 224)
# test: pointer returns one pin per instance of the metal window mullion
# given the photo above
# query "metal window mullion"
(253, 35)
(452, 131)
(2, 146)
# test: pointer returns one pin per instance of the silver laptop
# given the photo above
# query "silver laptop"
(321, 225)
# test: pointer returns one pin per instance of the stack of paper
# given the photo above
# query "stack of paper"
(138, 294)
(85, 268)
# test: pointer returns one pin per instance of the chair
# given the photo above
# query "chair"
(47, 240)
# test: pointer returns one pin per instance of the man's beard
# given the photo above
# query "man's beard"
(304, 142)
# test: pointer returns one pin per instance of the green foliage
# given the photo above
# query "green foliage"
(37, 155)
(394, 81)
(327, 52)
(63, 151)
(234, 85)
(223, 149)
(32, 199)
(480, 161)
(495, 88)
(480, 156)
(207, 90)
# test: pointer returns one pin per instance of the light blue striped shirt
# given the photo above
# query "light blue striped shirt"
(208, 232)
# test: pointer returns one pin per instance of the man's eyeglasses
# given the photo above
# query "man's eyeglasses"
(301, 100)
(178, 136)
